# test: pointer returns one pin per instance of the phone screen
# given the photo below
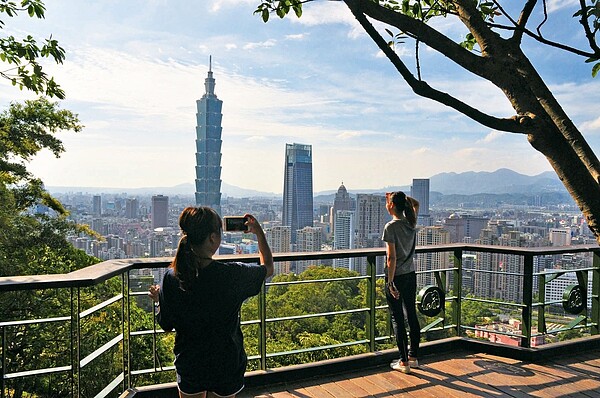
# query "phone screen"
(236, 224)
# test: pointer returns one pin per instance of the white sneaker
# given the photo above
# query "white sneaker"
(400, 368)
(413, 363)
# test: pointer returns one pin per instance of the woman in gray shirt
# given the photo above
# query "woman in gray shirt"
(401, 280)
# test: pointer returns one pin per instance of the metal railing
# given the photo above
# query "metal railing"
(87, 298)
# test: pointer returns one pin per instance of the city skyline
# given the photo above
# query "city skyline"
(133, 72)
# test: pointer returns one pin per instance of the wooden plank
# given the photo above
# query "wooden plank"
(456, 375)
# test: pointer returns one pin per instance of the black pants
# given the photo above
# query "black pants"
(405, 308)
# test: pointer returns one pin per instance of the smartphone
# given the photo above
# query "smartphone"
(235, 223)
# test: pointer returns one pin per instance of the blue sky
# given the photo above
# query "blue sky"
(135, 69)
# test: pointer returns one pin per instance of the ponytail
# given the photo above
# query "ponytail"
(409, 213)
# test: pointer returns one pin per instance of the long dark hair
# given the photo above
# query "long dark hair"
(403, 205)
(196, 223)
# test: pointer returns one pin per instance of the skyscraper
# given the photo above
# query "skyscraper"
(160, 211)
(342, 201)
(297, 188)
(132, 207)
(97, 205)
(208, 146)
(420, 191)
(371, 216)
(279, 240)
(343, 237)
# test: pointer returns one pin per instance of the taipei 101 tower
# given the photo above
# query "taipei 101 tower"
(208, 146)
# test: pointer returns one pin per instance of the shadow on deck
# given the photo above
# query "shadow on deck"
(455, 368)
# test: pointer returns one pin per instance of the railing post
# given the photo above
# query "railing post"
(457, 278)
(262, 336)
(371, 295)
(542, 303)
(4, 347)
(126, 321)
(75, 341)
(527, 300)
(595, 315)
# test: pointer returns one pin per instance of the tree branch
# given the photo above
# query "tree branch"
(523, 19)
(426, 34)
(586, 27)
(421, 88)
(520, 28)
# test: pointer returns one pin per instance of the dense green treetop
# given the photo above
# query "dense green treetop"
(21, 57)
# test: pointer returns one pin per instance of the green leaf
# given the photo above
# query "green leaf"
(298, 10)
(596, 69)
(265, 15)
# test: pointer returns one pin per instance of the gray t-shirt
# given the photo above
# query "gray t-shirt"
(403, 236)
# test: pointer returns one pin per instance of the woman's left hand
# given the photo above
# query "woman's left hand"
(393, 291)
(153, 292)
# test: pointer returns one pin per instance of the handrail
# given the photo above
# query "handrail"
(105, 270)
(99, 273)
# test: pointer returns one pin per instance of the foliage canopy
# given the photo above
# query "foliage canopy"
(23, 56)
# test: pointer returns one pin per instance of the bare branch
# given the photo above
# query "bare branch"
(422, 88)
(539, 27)
(523, 19)
(586, 27)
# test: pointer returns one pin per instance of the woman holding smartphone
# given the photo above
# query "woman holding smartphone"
(201, 299)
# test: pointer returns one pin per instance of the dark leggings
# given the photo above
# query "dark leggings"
(404, 308)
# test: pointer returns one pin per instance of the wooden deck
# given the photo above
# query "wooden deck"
(456, 375)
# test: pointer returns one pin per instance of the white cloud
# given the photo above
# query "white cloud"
(262, 44)
(324, 13)
(217, 5)
(591, 125)
(299, 36)
(555, 5)
(491, 136)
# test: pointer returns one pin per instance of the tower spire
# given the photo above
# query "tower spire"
(209, 82)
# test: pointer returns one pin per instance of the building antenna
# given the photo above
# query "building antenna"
(210, 63)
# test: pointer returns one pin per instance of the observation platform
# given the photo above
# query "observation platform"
(451, 368)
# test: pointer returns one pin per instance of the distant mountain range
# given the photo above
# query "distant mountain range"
(498, 182)
(502, 181)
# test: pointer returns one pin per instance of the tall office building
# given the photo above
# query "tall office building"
(279, 240)
(132, 207)
(560, 236)
(97, 205)
(465, 228)
(160, 211)
(420, 191)
(343, 237)
(342, 201)
(208, 146)
(431, 236)
(371, 217)
(297, 188)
